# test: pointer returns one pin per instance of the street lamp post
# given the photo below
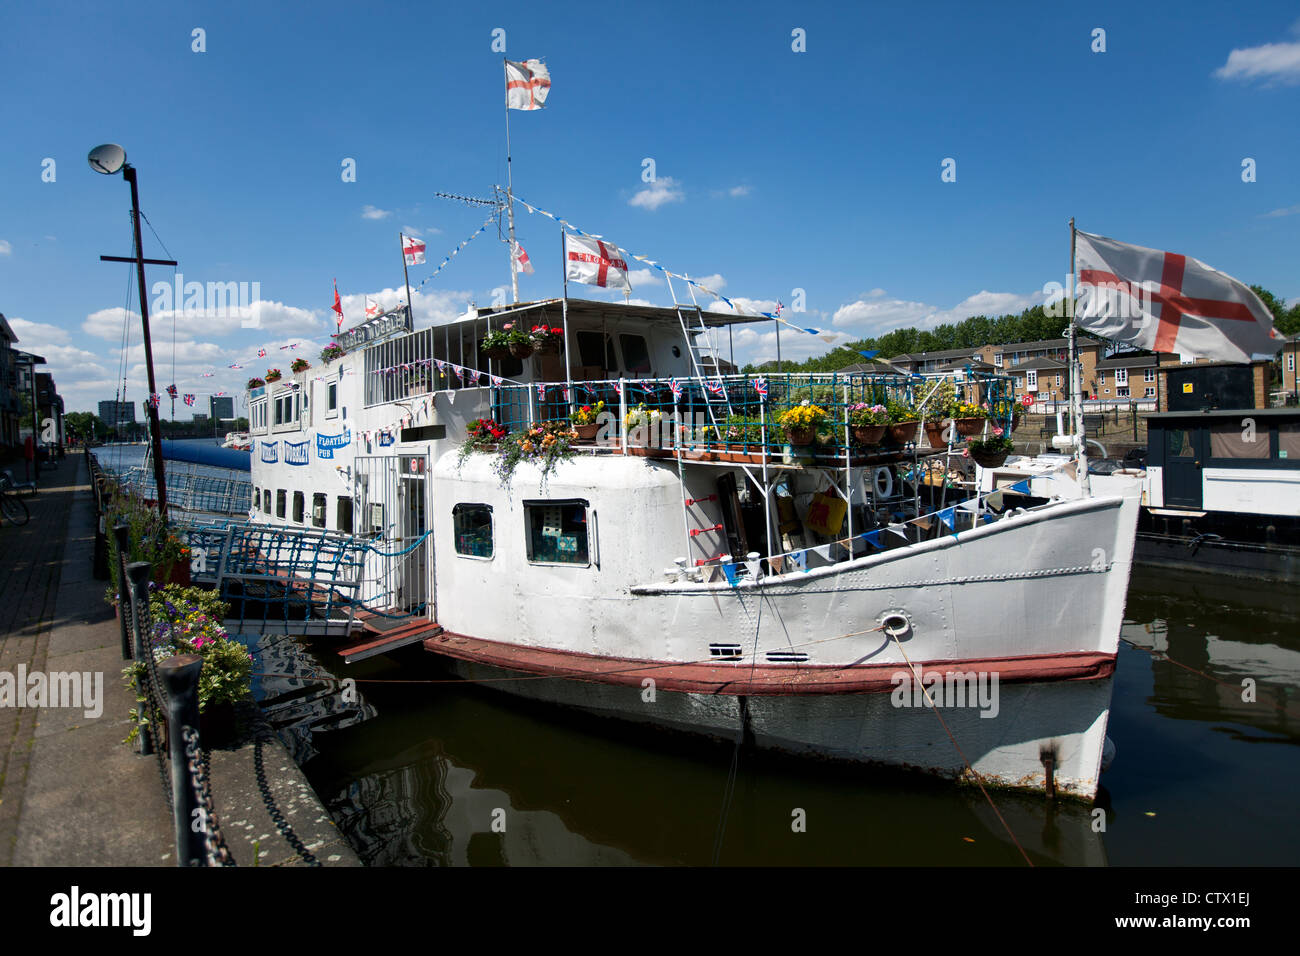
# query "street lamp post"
(109, 159)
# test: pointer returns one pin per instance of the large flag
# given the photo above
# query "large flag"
(1166, 302)
(527, 84)
(412, 250)
(373, 309)
(521, 258)
(338, 305)
(595, 262)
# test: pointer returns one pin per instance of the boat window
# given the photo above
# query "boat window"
(636, 356)
(596, 350)
(472, 526)
(279, 502)
(266, 501)
(332, 399)
(1288, 441)
(297, 506)
(1239, 439)
(318, 510)
(1180, 443)
(557, 532)
(343, 516)
(257, 498)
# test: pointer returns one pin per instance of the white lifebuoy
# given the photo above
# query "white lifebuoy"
(885, 490)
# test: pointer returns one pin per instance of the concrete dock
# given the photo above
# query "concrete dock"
(71, 792)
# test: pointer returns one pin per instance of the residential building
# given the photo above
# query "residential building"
(1193, 386)
(221, 406)
(115, 414)
(11, 404)
(1291, 370)
(1132, 375)
(1042, 368)
(49, 404)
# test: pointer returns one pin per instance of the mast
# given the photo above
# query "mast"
(1076, 381)
(410, 306)
(510, 196)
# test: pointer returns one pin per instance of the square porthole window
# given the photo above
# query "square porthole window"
(472, 526)
(557, 532)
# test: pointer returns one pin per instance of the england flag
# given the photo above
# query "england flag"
(412, 251)
(527, 85)
(595, 262)
(373, 309)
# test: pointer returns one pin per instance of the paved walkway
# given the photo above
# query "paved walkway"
(71, 793)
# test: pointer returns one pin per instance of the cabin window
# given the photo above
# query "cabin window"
(1179, 443)
(266, 501)
(318, 510)
(297, 506)
(332, 400)
(280, 497)
(596, 350)
(257, 498)
(557, 532)
(636, 355)
(1288, 441)
(472, 526)
(1236, 440)
(343, 516)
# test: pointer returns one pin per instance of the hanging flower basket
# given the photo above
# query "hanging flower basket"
(495, 351)
(903, 432)
(990, 459)
(969, 426)
(869, 434)
(521, 350)
(800, 436)
(934, 434)
(587, 432)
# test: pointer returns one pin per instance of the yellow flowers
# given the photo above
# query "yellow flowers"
(802, 416)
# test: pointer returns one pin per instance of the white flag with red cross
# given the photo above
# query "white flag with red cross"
(373, 309)
(595, 262)
(527, 84)
(521, 259)
(412, 250)
(1167, 302)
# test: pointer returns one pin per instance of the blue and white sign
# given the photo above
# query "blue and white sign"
(326, 444)
(385, 439)
(297, 453)
(269, 453)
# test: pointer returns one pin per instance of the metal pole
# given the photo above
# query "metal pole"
(180, 675)
(568, 372)
(510, 195)
(409, 304)
(776, 324)
(1076, 398)
(128, 171)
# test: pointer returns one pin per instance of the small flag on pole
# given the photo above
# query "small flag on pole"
(261, 353)
(527, 84)
(412, 250)
(595, 262)
(372, 308)
(521, 258)
(760, 387)
(338, 305)
(676, 388)
(171, 391)
(189, 398)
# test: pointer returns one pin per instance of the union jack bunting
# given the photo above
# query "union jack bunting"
(567, 394)
(717, 388)
(676, 388)
(171, 391)
(496, 380)
(189, 399)
(541, 390)
(588, 389)
(261, 353)
(760, 387)
(236, 365)
(618, 387)
(477, 376)
(292, 345)
(219, 394)
(207, 375)
(442, 366)
(153, 400)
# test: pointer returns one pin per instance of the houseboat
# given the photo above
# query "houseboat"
(697, 564)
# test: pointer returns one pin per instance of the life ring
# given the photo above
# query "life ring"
(885, 490)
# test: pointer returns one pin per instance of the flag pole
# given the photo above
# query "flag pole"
(510, 195)
(1080, 437)
(410, 307)
(564, 265)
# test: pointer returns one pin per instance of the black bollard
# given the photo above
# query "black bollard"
(180, 675)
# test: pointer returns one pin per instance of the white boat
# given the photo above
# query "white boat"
(685, 583)
(241, 441)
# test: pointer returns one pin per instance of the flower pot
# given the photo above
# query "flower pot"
(903, 432)
(969, 426)
(217, 725)
(934, 434)
(1015, 421)
(497, 353)
(801, 436)
(587, 432)
(521, 350)
(868, 434)
(548, 348)
(179, 574)
(990, 459)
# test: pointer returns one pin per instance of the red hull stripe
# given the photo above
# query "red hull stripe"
(762, 680)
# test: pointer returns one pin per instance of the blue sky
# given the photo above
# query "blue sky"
(776, 169)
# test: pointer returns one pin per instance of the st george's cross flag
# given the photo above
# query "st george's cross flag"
(1167, 302)
(521, 258)
(527, 85)
(338, 305)
(372, 308)
(594, 262)
(412, 251)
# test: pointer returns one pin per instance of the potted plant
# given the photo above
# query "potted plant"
(544, 445)
(300, 365)
(801, 423)
(903, 421)
(518, 342)
(991, 452)
(255, 382)
(546, 339)
(331, 352)
(640, 420)
(496, 345)
(868, 423)
(737, 433)
(586, 420)
(272, 375)
(968, 417)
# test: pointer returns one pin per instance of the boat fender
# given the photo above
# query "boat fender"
(885, 488)
(896, 624)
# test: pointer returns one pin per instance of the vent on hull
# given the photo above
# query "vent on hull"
(725, 652)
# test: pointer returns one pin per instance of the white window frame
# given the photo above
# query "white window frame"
(1149, 375)
(1121, 377)
(332, 399)
(1031, 379)
(1149, 393)
(1122, 392)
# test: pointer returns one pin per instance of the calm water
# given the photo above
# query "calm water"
(414, 774)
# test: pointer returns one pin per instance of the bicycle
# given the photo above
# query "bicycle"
(11, 506)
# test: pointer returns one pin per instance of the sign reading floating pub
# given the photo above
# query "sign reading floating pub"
(325, 444)
(398, 320)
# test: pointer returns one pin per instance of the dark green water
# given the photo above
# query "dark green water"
(418, 773)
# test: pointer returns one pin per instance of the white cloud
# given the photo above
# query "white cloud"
(1288, 211)
(664, 190)
(5, 248)
(33, 336)
(1278, 62)
(876, 314)
(262, 317)
(371, 212)
(640, 277)
(737, 191)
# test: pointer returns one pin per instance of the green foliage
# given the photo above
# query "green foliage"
(544, 445)
(147, 537)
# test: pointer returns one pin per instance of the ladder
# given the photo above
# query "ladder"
(699, 345)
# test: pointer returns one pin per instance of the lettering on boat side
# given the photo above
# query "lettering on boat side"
(75, 909)
(82, 690)
(978, 689)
